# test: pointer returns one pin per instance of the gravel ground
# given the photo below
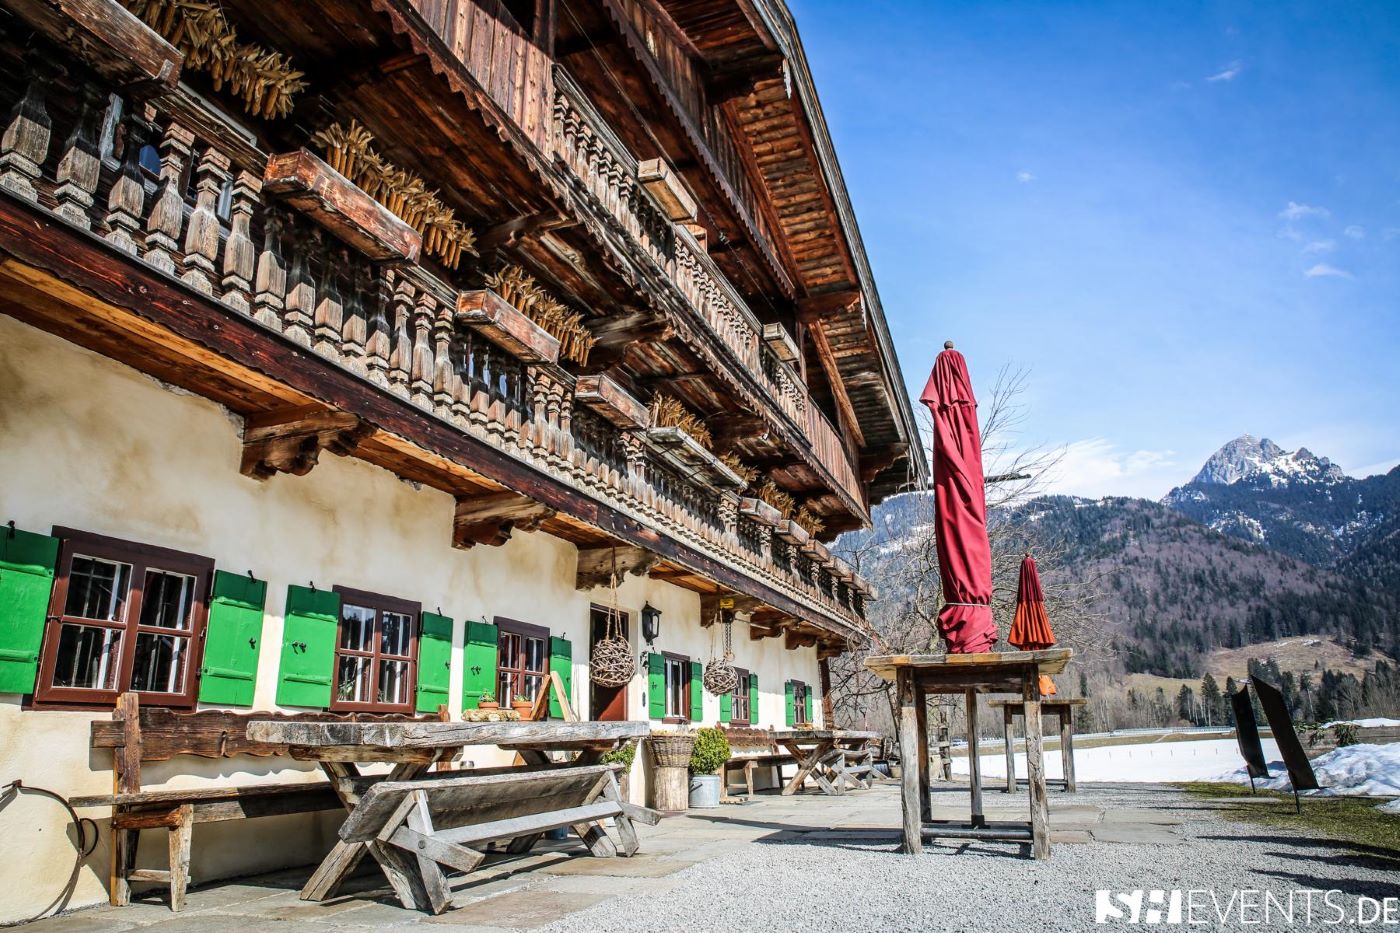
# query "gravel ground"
(784, 883)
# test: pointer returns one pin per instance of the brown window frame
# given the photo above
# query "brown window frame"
(141, 558)
(519, 629)
(684, 660)
(380, 604)
(741, 689)
(799, 689)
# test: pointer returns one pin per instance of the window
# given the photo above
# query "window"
(122, 617)
(376, 653)
(521, 665)
(677, 686)
(739, 706)
(799, 702)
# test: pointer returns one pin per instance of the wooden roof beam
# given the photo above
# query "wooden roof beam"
(290, 440)
(827, 357)
(596, 565)
(491, 518)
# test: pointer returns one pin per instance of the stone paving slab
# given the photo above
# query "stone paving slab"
(524, 910)
(1138, 835)
(638, 866)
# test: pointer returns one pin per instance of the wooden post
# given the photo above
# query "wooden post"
(1006, 724)
(1067, 746)
(974, 763)
(921, 709)
(910, 751)
(1035, 766)
(179, 845)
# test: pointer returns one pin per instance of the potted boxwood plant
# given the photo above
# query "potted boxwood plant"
(488, 701)
(623, 756)
(709, 755)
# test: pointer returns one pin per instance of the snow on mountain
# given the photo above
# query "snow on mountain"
(1249, 458)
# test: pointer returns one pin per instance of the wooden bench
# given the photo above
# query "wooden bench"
(413, 828)
(765, 754)
(136, 735)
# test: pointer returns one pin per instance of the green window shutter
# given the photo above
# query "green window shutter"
(434, 661)
(561, 662)
(229, 672)
(479, 667)
(308, 647)
(788, 703)
(27, 565)
(753, 699)
(811, 706)
(726, 706)
(697, 693)
(656, 685)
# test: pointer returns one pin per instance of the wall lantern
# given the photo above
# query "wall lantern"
(651, 623)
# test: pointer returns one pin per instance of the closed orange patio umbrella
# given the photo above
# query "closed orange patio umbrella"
(1030, 631)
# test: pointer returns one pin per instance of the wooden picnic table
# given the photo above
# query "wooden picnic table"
(918, 676)
(518, 802)
(1063, 711)
(832, 758)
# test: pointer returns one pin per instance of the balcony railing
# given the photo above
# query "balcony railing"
(186, 203)
(608, 171)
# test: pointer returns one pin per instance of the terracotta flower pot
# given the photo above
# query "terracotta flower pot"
(488, 704)
(524, 709)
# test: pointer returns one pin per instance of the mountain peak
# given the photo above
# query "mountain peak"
(1250, 458)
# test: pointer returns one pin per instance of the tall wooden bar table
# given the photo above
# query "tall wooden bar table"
(413, 747)
(916, 678)
(1063, 711)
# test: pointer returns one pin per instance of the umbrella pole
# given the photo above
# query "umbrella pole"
(1297, 802)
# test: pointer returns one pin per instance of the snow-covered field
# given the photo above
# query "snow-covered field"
(1147, 762)
(1377, 723)
(1353, 771)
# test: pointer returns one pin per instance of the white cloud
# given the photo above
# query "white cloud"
(1356, 232)
(1229, 72)
(1023, 177)
(1098, 467)
(1320, 246)
(1296, 211)
(1323, 270)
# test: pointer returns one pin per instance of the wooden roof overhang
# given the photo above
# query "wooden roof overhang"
(74, 284)
(777, 115)
(390, 65)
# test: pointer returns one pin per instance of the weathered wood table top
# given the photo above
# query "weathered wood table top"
(1045, 703)
(982, 672)
(315, 739)
(818, 735)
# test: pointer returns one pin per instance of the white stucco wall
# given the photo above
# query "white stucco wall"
(92, 444)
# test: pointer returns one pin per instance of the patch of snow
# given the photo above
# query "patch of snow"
(1392, 807)
(1353, 771)
(1376, 722)
(1149, 762)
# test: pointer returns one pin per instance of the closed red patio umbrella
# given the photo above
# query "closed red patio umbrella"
(960, 504)
(1031, 629)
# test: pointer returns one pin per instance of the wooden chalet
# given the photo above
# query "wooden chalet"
(360, 357)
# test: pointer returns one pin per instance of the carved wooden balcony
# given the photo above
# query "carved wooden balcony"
(207, 224)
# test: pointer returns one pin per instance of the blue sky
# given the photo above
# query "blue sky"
(1182, 219)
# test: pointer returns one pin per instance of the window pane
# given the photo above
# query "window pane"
(165, 603)
(532, 686)
(393, 682)
(88, 657)
(504, 693)
(509, 647)
(534, 654)
(160, 663)
(356, 628)
(352, 679)
(398, 630)
(97, 589)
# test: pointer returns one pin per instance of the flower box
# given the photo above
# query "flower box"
(498, 321)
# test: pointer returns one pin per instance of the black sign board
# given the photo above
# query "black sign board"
(1300, 770)
(1247, 735)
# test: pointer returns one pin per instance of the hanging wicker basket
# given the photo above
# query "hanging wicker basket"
(720, 677)
(611, 663)
(670, 751)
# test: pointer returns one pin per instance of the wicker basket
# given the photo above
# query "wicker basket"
(670, 751)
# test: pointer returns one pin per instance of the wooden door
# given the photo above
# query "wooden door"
(606, 704)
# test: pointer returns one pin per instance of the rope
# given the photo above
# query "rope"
(84, 829)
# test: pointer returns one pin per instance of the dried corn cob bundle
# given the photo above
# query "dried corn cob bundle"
(745, 472)
(809, 521)
(263, 80)
(769, 492)
(668, 412)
